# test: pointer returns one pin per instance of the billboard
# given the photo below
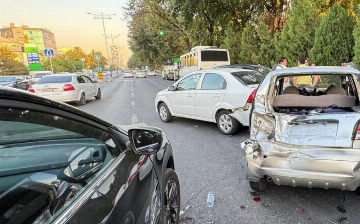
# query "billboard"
(33, 57)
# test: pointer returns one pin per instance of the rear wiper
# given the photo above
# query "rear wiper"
(313, 121)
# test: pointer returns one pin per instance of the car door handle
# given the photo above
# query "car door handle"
(216, 95)
(188, 95)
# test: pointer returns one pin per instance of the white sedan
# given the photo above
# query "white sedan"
(67, 88)
(221, 96)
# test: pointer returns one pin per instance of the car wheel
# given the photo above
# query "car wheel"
(164, 113)
(171, 206)
(227, 124)
(258, 186)
(82, 100)
(98, 95)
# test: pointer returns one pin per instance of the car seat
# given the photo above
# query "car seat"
(337, 90)
(291, 90)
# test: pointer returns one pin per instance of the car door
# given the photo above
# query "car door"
(90, 85)
(210, 95)
(62, 168)
(82, 85)
(182, 100)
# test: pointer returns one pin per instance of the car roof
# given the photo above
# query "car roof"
(320, 70)
(230, 69)
(24, 96)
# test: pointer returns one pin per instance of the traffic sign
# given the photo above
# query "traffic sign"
(99, 69)
(97, 57)
(49, 52)
(176, 60)
(100, 76)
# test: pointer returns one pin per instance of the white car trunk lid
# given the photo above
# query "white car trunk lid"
(325, 130)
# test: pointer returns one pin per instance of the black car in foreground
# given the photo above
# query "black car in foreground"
(59, 164)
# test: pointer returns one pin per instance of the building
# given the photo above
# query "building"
(43, 38)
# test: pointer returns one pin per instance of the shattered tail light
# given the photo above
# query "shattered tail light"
(31, 89)
(251, 97)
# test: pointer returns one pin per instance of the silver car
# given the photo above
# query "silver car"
(306, 137)
(67, 88)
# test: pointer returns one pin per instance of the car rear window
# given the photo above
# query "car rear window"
(248, 77)
(39, 75)
(54, 79)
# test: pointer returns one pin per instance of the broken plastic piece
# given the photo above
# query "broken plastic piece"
(257, 199)
(254, 193)
(302, 210)
(341, 208)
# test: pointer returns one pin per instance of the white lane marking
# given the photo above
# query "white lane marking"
(132, 94)
(134, 119)
(132, 103)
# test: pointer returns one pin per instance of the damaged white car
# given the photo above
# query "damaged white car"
(220, 96)
(306, 137)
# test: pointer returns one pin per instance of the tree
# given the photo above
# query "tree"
(266, 53)
(91, 63)
(11, 67)
(298, 35)
(250, 44)
(4, 51)
(356, 35)
(232, 43)
(334, 38)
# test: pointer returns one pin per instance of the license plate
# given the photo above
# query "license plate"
(48, 90)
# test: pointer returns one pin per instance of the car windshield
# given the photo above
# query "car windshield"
(55, 79)
(248, 77)
(7, 79)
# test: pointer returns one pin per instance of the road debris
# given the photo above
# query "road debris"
(210, 199)
(257, 199)
(330, 221)
(341, 208)
(185, 209)
(342, 220)
(243, 207)
(186, 220)
(254, 193)
(265, 205)
(302, 210)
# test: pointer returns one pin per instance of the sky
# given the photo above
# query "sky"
(70, 22)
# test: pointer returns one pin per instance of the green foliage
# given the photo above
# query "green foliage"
(63, 64)
(231, 41)
(356, 35)
(266, 53)
(11, 67)
(334, 39)
(298, 35)
(249, 45)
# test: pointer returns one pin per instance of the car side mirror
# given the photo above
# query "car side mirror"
(95, 81)
(172, 88)
(145, 141)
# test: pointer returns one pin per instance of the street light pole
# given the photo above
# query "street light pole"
(114, 53)
(103, 16)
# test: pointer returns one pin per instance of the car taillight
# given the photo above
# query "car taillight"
(31, 89)
(68, 87)
(251, 97)
(357, 134)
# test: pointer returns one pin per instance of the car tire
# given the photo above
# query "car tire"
(82, 100)
(98, 95)
(164, 113)
(227, 124)
(258, 186)
(171, 200)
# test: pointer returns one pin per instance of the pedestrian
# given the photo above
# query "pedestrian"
(302, 81)
(315, 79)
(282, 63)
(343, 62)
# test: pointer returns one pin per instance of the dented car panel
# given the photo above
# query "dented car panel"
(314, 147)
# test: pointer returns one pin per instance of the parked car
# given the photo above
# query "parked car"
(59, 164)
(306, 137)
(262, 69)
(23, 81)
(220, 96)
(10, 81)
(141, 74)
(38, 75)
(128, 74)
(67, 88)
(151, 73)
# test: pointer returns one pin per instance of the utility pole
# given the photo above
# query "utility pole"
(103, 16)
(114, 51)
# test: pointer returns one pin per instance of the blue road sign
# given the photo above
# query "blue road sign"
(97, 57)
(99, 69)
(49, 53)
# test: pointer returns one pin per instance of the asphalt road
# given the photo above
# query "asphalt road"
(206, 160)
